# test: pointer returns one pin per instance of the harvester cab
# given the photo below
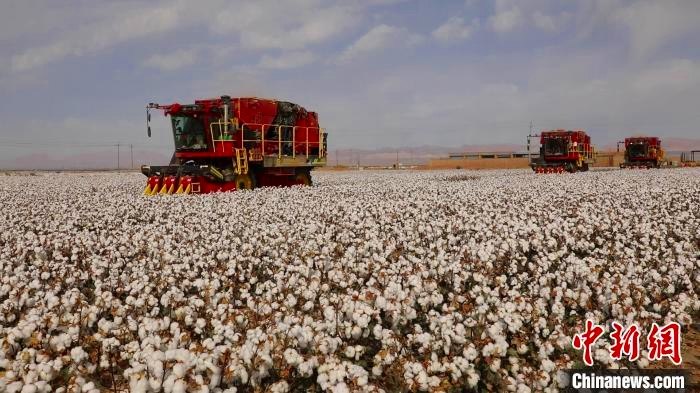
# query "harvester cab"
(643, 152)
(562, 151)
(225, 144)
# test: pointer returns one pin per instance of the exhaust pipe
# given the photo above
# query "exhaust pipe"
(227, 102)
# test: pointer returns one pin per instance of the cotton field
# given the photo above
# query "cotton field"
(368, 281)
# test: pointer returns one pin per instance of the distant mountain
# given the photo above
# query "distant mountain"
(384, 156)
(680, 144)
(99, 159)
(408, 156)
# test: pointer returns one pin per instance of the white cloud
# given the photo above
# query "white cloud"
(14, 19)
(550, 23)
(653, 24)
(489, 101)
(454, 29)
(293, 59)
(674, 75)
(264, 24)
(544, 22)
(378, 38)
(98, 35)
(172, 61)
(285, 25)
(506, 20)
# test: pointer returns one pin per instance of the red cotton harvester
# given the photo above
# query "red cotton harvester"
(226, 144)
(642, 152)
(563, 151)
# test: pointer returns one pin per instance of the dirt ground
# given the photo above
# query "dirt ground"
(691, 354)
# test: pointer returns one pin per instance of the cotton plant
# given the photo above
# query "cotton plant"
(368, 281)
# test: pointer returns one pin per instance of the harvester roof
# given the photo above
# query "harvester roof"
(554, 133)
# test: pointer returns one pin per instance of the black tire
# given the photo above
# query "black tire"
(245, 182)
(304, 177)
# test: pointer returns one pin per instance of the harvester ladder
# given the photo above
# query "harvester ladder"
(241, 161)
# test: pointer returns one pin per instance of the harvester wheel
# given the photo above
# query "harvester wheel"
(303, 178)
(585, 167)
(244, 182)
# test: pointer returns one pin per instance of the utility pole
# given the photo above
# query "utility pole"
(528, 143)
(397, 159)
(131, 150)
(117, 156)
(336, 158)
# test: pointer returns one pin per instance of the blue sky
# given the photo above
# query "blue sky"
(75, 75)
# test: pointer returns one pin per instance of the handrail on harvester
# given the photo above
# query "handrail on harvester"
(261, 140)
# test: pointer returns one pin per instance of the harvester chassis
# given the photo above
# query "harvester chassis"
(640, 165)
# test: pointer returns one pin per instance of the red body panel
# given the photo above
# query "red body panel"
(257, 115)
(562, 150)
(280, 143)
(653, 149)
(579, 138)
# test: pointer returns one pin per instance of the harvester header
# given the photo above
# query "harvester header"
(224, 144)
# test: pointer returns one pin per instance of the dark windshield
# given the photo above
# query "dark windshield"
(556, 146)
(189, 133)
(637, 150)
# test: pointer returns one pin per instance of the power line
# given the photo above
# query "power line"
(75, 145)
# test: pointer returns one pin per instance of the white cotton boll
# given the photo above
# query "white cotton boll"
(292, 357)
(472, 377)
(523, 349)
(14, 387)
(548, 365)
(377, 331)
(340, 388)
(141, 386)
(643, 362)
(322, 380)
(519, 269)
(380, 303)
(329, 313)
(350, 352)
(470, 353)
(280, 387)
(377, 371)
(495, 364)
(179, 386)
(29, 388)
(356, 332)
(179, 371)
